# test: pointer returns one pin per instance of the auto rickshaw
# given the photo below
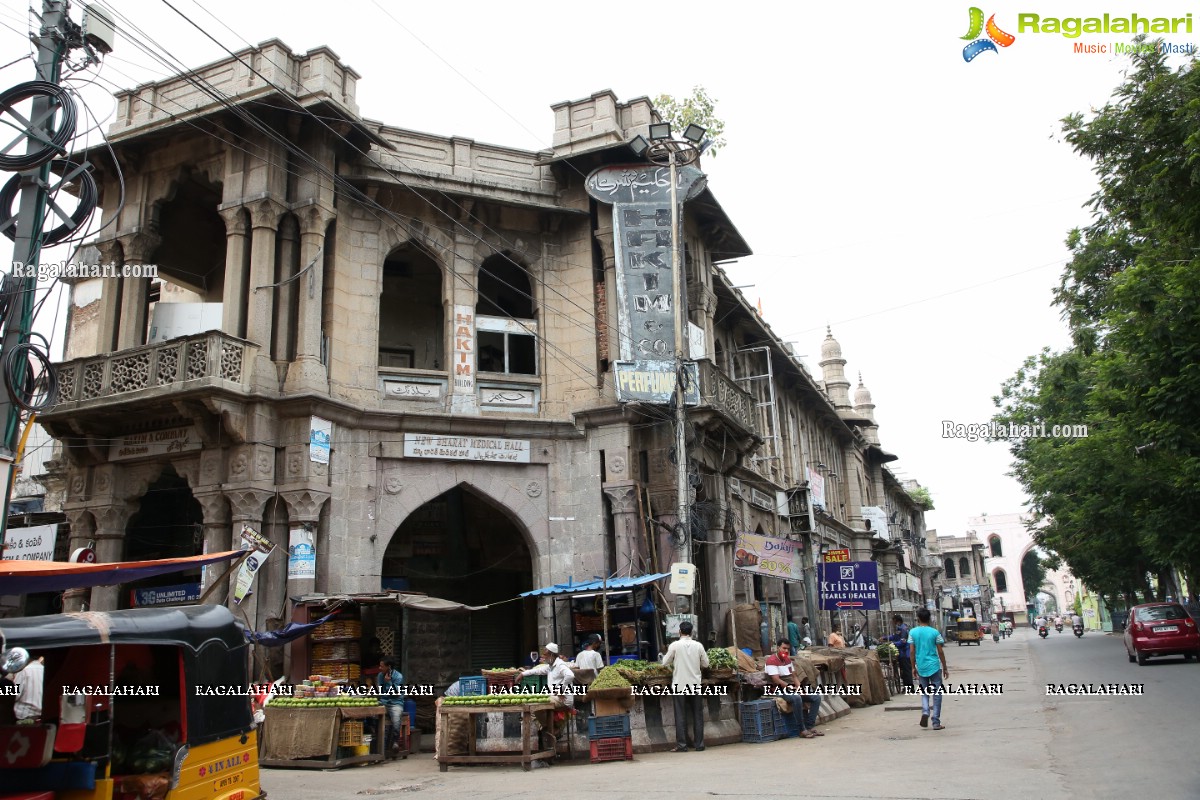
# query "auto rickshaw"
(142, 704)
(968, 631)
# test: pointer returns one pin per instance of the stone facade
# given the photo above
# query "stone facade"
(450, 309)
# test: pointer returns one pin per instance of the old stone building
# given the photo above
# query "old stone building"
(447, 311)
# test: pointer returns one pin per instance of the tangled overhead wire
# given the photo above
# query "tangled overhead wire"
(29, 377)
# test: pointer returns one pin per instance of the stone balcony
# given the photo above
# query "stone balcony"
(206, 360)
(719, 393)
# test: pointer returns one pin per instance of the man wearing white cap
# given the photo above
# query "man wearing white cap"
(559, 677)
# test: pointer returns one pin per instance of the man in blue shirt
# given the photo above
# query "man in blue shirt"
(900, 639)
(929, 664)
(391, 695)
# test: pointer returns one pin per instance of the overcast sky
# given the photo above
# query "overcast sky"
(914, 201)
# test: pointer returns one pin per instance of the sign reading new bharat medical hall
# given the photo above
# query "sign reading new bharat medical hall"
(851, 586)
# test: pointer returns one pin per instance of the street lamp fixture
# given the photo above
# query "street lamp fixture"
(694, 133)
(660, 130)
(639, 145)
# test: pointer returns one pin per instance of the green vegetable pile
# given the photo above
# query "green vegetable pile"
(636, 670)
(721, 658)
(887, 651)
(495, 700)
(609, 678)
(342, 701)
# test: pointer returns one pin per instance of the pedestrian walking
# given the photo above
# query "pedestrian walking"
(929, 664)
(686, 658)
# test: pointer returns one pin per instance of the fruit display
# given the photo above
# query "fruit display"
(609, 678)
(721, 658)
(496, 700)
(345, 701)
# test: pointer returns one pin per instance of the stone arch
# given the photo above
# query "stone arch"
(995, 546)
(168, 523)
(412, 312)
(1000, 579)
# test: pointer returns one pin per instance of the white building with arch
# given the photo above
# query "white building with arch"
(1006, 541)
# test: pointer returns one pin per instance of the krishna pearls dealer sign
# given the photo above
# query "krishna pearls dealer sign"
(850, 585)
(466, 448)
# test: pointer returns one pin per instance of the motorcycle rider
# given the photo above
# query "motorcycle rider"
(1076, 621)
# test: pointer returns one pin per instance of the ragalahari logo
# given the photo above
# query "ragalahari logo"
(995, 36)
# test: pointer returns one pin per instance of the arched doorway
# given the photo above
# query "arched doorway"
(461, 546)
(169, 523)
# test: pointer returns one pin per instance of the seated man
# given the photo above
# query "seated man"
(782, 673)
(391, 696)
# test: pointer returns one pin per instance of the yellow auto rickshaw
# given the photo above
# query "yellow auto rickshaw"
(140, 703)
(968, 631)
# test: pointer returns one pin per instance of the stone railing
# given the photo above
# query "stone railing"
(165, 366)
(719, 392)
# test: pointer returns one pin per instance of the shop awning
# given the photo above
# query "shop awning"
(596, 585)
(417, 602)
(23, 577)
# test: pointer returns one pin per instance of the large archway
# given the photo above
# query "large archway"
(169, 523)
(461, 546)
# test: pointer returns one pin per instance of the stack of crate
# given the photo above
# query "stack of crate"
(761, 722)
(610, 738)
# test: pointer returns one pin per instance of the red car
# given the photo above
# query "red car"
(1160, 629)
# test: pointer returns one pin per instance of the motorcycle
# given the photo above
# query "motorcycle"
(1043, 632)
(1058, 627)
(1078, 629)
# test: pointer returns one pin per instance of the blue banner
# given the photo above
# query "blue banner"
(850, 586)
(164, 595)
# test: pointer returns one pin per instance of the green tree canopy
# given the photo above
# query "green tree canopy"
(698, 109)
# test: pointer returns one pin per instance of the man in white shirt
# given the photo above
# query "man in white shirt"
(589, 657)
(28, 706)
(559, 677)
(686, 658)
(782, 672)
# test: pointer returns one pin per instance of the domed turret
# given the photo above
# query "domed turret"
(833, 370)
(830, 348)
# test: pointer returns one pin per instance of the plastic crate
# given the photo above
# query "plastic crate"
(758, 722)
(614, 659)
(615, 749)
(535, 682)
(351, 734)
(608, 727)
(472, 685)
(786, 724)
(505, 681)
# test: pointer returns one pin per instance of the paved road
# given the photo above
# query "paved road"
(1020, 745)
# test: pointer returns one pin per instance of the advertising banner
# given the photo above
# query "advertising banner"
(654, 382)
(302, 551)
(319, 434)
(853, 585)
(816, 485)
(262, 547)
(768, 556)
(167, 595)
(876, 521)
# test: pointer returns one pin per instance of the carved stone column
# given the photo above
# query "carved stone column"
(304, 510)
(217, 536)
(306, 373)
(234, 299)
(110, 546)
(608, 328)
(288, 250)
(110, 298)
(264, 218)
(627, 526)
(83, 530)
(138, 247)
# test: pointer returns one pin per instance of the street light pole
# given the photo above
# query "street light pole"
(677, 289)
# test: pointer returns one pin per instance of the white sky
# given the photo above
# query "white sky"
(916, 202)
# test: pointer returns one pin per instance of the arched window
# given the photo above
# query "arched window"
(964, 567)
(505, 325)
(950, 573)
(1001, 580)
(994, 543)
(410, 311)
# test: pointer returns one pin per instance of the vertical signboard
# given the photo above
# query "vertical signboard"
(262, 547)
(320, 431)
(302, 551)
(640, 195)
(464, 350)
(816, 484)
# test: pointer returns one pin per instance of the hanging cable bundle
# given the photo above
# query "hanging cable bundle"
(69, 172)
(53, 141)
(10, 287)
(28, 367)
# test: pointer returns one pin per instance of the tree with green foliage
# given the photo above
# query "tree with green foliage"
(1121, 503)
(698, 109)
(922, 497)
(1033, 575)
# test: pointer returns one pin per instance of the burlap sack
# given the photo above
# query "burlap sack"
(744, 662)
(749, 626)
(858, 675)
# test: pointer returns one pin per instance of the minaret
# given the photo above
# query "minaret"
(833, 371)
(864, 406)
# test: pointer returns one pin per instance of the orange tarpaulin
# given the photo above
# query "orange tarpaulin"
(22, 577)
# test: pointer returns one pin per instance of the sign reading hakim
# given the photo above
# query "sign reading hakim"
(654, 382)
(852, 585)
(643, 244)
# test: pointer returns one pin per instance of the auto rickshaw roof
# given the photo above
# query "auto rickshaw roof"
(188, 626)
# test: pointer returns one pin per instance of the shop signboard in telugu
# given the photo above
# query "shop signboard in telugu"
(262, 547)
(848, 586)
(466, 448)
(154, 443)
(654, 382)
(767, 556)
(30, 544)
(167, 595)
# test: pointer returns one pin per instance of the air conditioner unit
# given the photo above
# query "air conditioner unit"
(735, 487)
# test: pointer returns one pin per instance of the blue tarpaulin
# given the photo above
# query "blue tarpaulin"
(290, 632)
(596, 585)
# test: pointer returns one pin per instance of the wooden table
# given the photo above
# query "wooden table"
(294, 715)
(525, 758)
